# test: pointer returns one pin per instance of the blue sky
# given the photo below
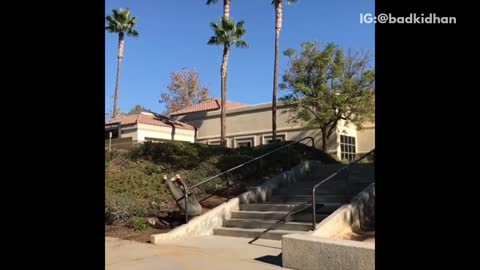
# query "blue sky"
(174, 34)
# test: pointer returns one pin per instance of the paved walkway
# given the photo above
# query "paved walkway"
(202, 253)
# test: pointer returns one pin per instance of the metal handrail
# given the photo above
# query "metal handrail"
(311, 202)
(329, 178)
(187, 189)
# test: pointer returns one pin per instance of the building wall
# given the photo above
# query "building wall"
(256, 122)
(163, 133)
(366, 138)
(129, 132)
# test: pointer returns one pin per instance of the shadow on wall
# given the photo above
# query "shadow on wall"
(194, 119)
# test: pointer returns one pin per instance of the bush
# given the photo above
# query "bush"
(138, 223)
(134, 183)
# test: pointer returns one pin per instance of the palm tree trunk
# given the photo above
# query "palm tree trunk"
(223, 71)
(226, 9)
(121, 48)
(278, 27)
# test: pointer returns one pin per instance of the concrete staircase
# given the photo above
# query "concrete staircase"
(252, 219)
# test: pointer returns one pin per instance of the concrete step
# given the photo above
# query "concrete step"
(263, 215)
(264, 224)
(367, 178)
(285, 207)
(354, 189)
(267, 207)
(337, 198)
(305, 216)
(252, 233)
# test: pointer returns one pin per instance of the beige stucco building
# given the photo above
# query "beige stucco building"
(251, 125)
(146, 126)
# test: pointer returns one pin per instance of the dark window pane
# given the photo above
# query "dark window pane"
(244, 144)
(353, 140)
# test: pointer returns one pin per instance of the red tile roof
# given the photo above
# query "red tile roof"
(209, 105)
(148, 119)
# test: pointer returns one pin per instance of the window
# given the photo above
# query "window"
(268, 139)
(347, 147)
(244, 142)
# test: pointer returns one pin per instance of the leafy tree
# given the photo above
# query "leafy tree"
(138, 109)
(326, 87)
(184, 91)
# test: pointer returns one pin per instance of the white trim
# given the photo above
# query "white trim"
(209, 142)
(339, 139)
(259, 132)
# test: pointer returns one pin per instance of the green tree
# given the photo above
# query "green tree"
(122, 23)
(326, 87)
(278, 4)
(138, 109)
(227, 33)
(184, 91)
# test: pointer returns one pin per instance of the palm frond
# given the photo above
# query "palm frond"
(227, 24)
(210, 2)
(120, 21)
(214, 41)
(241, 44)
(227, 33)
(289, 2)
(132, 33)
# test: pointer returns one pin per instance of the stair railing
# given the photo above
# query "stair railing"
(312, 202)
(188, 190)
(333, 175)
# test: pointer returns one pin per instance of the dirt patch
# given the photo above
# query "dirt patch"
(169, 220)
(126, 233)
(357, 237)
(212, 202)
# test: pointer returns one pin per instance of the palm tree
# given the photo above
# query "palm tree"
(120, 22)
(278, 27)
(226, 7)
(227, 34)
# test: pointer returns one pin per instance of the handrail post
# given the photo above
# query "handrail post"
(228, 185)
(186, 204)
(314, 210)
(347, 184)
(288, 156)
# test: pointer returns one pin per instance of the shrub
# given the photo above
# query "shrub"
(134, 183)
(138, 223)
